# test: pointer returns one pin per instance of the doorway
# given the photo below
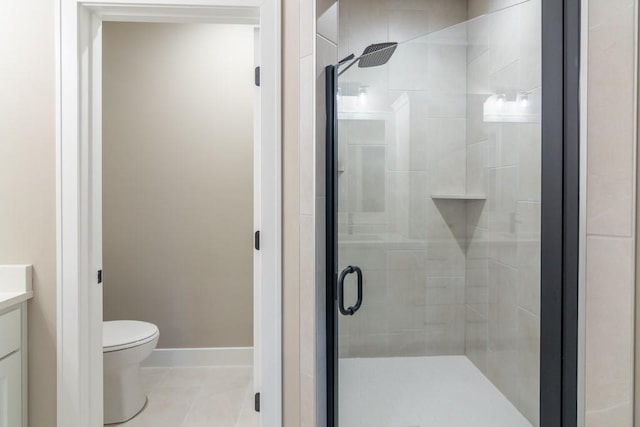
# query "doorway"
(80, 194)
(177, 210)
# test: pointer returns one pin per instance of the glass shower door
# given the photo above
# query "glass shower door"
(437, 226)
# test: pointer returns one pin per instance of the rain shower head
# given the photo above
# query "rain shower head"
(374, 55)
(377, 54)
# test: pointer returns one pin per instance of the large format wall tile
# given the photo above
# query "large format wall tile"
(481, 7)
(504, 38)
(528, 356)
(529, 256)
(503, 236)
(307, 293)
(327, 23)
(408, 24)
(307, 17)
(306, 135)
(610, 240)
(409, 67)
(611, 123)
(529, 162)
(609, 324)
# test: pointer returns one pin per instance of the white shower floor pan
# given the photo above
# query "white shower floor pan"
(437, 391)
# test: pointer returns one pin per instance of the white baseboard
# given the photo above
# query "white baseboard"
(214, 356)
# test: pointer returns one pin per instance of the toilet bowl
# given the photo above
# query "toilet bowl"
(125, 344)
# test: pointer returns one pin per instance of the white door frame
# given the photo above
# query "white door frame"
(78, 185)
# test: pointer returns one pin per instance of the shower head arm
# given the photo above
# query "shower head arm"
(346, 58)
(348, 66)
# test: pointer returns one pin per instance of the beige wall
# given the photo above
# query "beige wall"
(27, 180)
(178, 180)
(290, 211)
(610, 212)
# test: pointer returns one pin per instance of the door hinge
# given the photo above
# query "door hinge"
(257, 76)
(99, 276)
(256, 240)
(256, 402)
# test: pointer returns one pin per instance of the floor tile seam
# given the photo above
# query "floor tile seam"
(245, 401)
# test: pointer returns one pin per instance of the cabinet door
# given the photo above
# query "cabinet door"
(11, 391)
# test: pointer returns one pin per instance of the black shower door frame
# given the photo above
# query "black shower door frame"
(559, 220)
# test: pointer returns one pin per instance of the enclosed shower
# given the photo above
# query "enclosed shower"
(435, 178)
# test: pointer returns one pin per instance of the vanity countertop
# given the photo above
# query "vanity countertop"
(15, 285)
(8, 299)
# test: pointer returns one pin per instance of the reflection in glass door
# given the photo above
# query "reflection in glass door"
(435, 219)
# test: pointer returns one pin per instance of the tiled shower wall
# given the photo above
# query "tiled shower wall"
(446, 276)
(503, 233)
(313, 41)
(411, 248)
(610, 240)
(299, 234)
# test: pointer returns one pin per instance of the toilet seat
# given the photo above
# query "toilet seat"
(122, 334)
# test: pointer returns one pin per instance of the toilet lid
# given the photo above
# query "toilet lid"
(121, 334)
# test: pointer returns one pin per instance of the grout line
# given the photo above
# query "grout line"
(500, 263)
(608, 236)
(526, 310)
(191, 405)
(326, 39)
(246, 402)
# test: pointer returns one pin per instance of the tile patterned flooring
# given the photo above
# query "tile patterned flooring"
(444, 391)
(194, 397)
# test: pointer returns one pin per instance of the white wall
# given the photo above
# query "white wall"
(178, 180)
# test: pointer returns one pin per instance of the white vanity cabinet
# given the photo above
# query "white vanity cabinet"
(15, 290)
(11, 413)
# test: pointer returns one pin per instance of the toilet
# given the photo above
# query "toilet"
(125, 344)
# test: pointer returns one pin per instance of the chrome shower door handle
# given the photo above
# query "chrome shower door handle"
(349, 311)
